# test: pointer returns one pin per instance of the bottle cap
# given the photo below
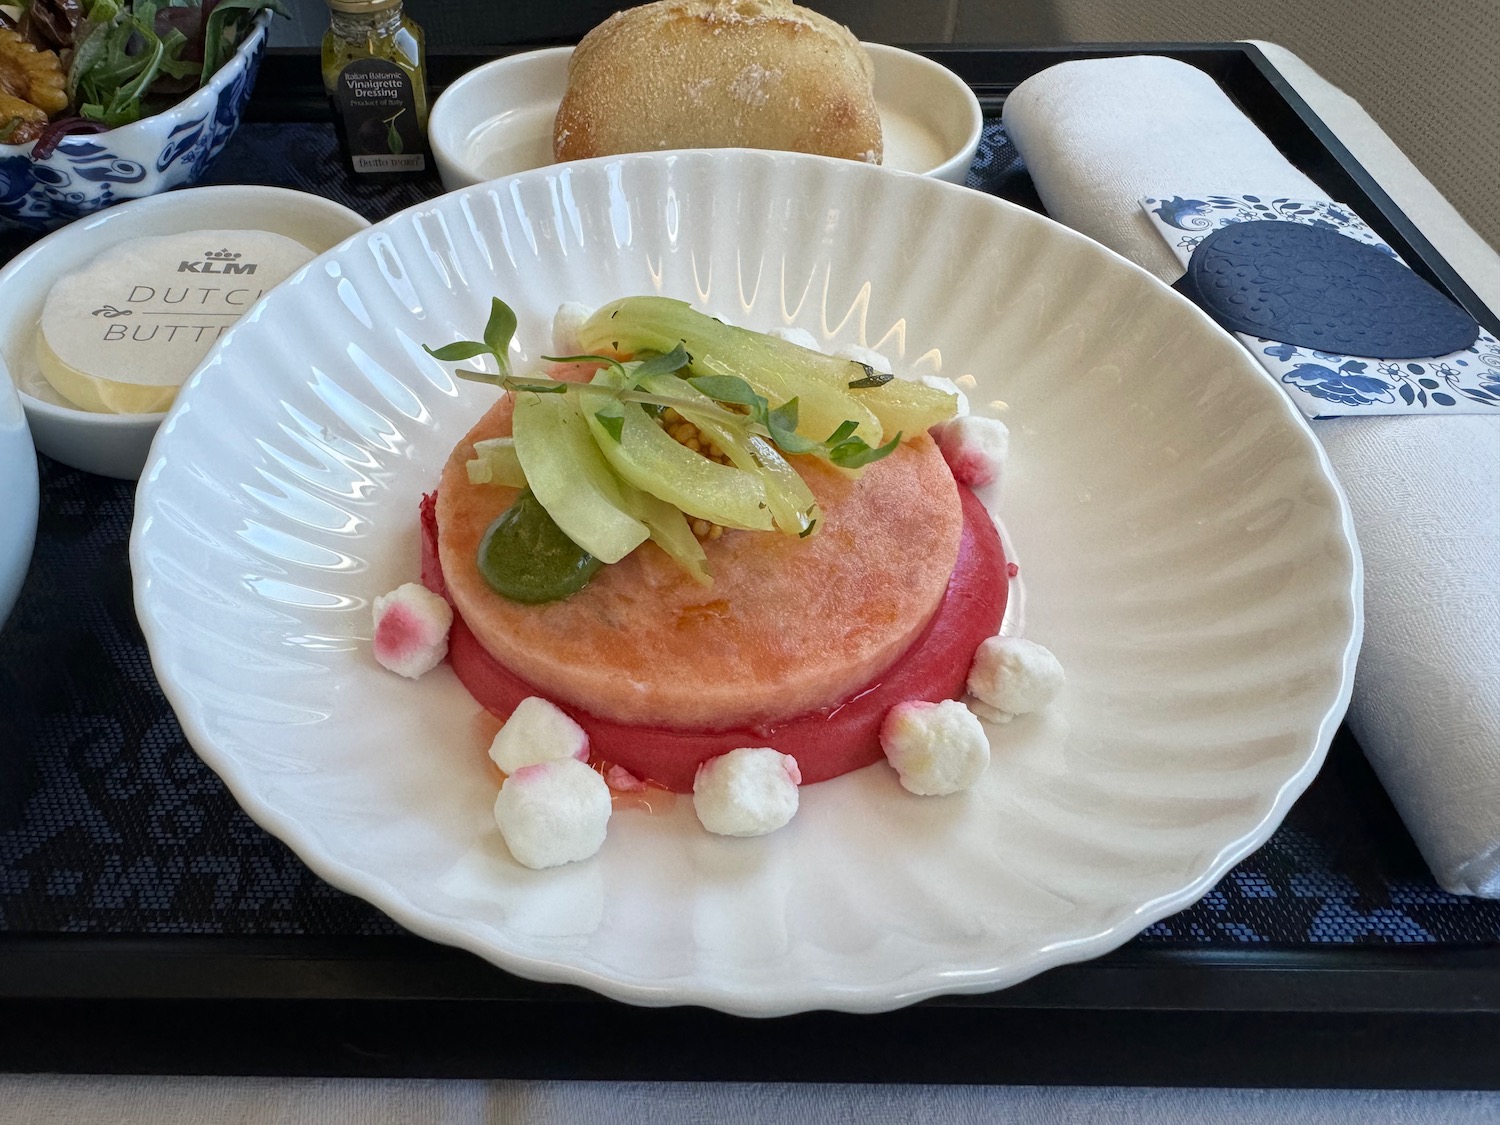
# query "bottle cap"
(362, 7)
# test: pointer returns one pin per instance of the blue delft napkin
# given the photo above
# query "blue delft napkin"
(1327, 384)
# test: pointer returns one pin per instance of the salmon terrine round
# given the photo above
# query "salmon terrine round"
(788, 625)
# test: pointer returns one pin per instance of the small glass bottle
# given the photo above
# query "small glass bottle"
(375, 74)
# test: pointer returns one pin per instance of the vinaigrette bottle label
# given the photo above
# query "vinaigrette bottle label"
(378, 107)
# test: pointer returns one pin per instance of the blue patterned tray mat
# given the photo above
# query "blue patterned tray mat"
(109, 823)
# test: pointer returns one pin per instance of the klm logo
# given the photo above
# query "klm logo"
(217, 261)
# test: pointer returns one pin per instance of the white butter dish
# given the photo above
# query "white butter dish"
(116, 445)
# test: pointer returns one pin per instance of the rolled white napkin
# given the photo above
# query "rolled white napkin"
(1099, 135)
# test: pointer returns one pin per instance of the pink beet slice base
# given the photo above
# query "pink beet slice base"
(827, 742)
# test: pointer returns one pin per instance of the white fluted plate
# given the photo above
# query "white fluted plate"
(1183, 549)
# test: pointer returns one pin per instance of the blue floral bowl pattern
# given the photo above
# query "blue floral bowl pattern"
(170, 149)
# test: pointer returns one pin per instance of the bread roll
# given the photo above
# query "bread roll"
(719, 74)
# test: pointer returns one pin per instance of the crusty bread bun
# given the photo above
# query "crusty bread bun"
(719, 74)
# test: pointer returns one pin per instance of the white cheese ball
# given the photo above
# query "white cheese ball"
(567, 323)
(974, 447)
(553, 813)
(1014, 676)
(411, 630)
(986, 712)
(799, 336)
(868, 356)
(537, 731)
(935, 748)
(746, 792)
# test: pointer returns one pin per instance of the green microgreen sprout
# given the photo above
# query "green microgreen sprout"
(498, 332)
(668, 363)
(855, 453)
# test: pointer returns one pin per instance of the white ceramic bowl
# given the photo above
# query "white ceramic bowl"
(115, 445)
(497, 119)
(91, 171)
(1182, 546)
(18, 497)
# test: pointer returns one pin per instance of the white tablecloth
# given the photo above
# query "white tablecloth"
(54, 1100)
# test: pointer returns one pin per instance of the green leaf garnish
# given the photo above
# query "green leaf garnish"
(784, 417)
(121, 51)
(666, 364)
(731, 389)
(498, 332)
(854, 453)
(453, 353)
(133, 72)
(791, 442)
(782, 422)
(840, 435)
(221, 31)
(613, 420)
(497, 336)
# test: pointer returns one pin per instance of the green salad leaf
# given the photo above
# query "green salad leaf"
(127, 59)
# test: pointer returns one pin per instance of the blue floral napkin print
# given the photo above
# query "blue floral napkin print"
(1323, 384)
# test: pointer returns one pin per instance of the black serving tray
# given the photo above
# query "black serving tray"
(146, 925)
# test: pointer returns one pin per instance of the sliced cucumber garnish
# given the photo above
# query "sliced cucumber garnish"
(570, 477)
(793, 507)
(495, 462)
(648, 457)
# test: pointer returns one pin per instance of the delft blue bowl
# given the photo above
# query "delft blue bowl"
(170, 149)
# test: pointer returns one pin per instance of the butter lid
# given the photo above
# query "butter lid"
(122, 334)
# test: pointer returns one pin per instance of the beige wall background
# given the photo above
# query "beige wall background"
(1428, 71)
